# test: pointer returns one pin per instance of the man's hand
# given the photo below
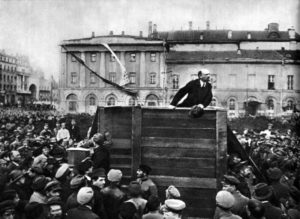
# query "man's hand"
(201, 106)
(171, 107)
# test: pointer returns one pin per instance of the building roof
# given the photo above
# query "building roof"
(222, 36)
(113, 39)
(244, 55)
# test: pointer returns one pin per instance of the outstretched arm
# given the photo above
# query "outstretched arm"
(181, 93)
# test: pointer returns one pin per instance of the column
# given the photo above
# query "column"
(122, 59)
(82, 74)
(102, 68)
(142, 70)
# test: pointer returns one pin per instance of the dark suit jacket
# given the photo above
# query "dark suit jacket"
(272, 212)
(196, 94)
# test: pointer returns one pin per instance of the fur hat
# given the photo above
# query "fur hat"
(274, 173)
(114, 175)
(231, 180)
(85, 195)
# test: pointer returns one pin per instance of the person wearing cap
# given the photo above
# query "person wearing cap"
(17, 183)
(15, 159)
(7, 209)
(98, 182)
(171, 193)
(12, 195)
(135, 194)
(153, 208)
(74, 131)
(41, 160)
(148, 186)
(280, 191)
(64, 176)
(54, 208)
(101, 156)
(198, 92)
(230, 184)
(76, 183)
(46, 132)
(224, 202)
(85, 198)
(263, 192)
(113, 196)
(53, 189)
(63, 134)
(174, 208)
(255, 209)
(38, 187)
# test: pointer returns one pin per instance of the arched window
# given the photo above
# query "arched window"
(72, 102)
(92, 101)
(131, 101)
(290, 104)
(111, 101)
(151, 100)
(270, 104)
(231, 104)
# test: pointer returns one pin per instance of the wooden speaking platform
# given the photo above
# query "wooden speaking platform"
(189, 153)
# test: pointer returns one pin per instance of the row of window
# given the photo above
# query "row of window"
(132, 57)
(111, 100)
(7, 59)
(8, 68)
(232, 104)
(7, 78)
(232, 78)
(8, 87)
(112, 76)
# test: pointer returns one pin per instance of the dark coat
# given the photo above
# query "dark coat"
(196, 95)
(272, 212)
(113, 197)
(101, 158)
(74, 132)
(81, 212)
(98, 207)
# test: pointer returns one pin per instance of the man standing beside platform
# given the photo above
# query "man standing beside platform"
(198, 92)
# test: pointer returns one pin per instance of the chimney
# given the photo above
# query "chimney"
(229, 35)
(150, 29)
(201, 36)
(190, 25)
(93, 34)
(155, 34)
(111, 33)
(207, 25)
(141, 33)
(123, 33)
(292, 33)
(273, 27)
(248, 35)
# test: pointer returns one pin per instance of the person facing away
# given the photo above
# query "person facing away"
(198, 92)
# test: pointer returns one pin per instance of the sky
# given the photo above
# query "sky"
(36, 27)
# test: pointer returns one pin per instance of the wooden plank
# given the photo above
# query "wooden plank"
(136, 139)
(121, 143)
(120, 151)
(202, 213)
(185, 172)
(179, 122)
(187, 182)
(179, 162)
(178, 142)
(221, 150)
(121, 132)
(158, 152)
(176, 114)
(179, 132)
(101, 120)
(120, 160)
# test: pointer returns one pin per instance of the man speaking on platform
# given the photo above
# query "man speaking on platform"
(198, 92)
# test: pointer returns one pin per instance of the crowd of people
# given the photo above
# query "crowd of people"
(267, 184)
(36, 180)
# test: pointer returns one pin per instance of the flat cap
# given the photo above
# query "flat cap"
(62, 170)
(175, 204)
(231, 180)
